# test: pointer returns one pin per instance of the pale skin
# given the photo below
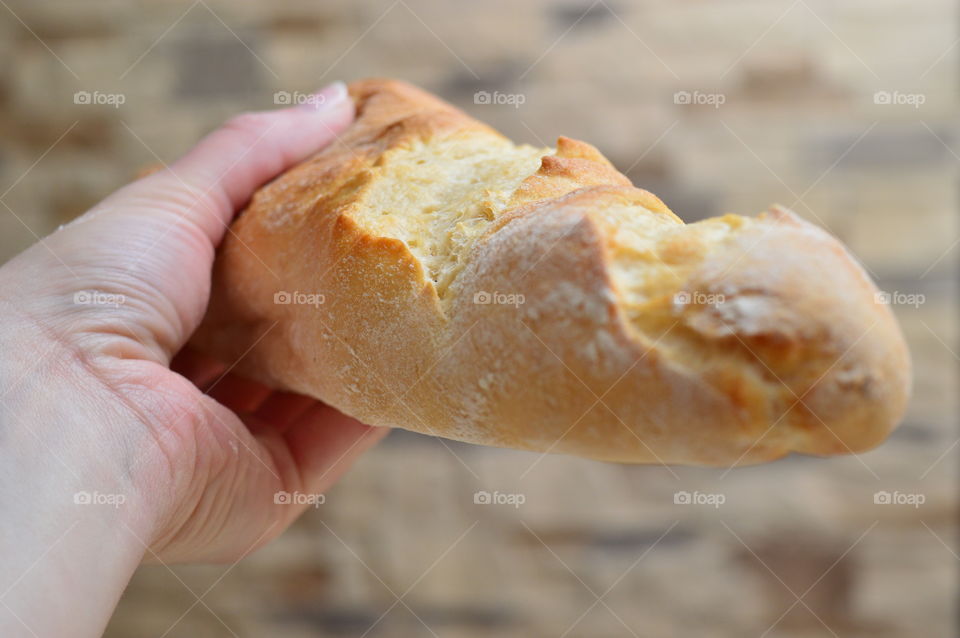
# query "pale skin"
(98, 396)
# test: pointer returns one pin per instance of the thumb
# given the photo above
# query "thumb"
(222, 172)
(152, 242)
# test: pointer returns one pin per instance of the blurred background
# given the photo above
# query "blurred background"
(845, 111)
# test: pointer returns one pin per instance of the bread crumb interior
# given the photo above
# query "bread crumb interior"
(438, 198)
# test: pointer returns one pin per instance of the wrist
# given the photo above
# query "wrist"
(73, 517)
(60, 420)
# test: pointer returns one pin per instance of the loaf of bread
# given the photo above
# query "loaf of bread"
(426, 273)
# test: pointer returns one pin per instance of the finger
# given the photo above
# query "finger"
(237, 508)
(219, 175)
(163, 228)
(250, 149)
(282, 409)
(199, 368)
(324, 442)
(238, 393)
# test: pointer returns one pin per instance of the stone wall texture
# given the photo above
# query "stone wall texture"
(846, 111)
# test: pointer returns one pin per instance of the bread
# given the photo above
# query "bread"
(426, 273)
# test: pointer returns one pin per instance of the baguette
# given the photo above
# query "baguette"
(426, 273)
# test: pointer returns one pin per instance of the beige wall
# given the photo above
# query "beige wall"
(800, 124)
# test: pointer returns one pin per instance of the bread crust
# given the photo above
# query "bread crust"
(633, 337)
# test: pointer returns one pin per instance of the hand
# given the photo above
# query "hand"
(92, 319)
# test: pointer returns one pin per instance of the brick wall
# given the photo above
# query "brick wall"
(801, 123)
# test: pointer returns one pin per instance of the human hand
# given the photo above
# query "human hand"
(93, 317)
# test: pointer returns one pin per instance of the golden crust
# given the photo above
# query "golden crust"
(558, 310)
